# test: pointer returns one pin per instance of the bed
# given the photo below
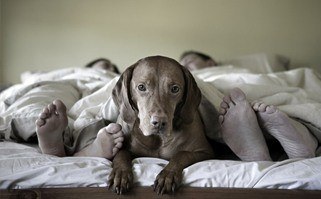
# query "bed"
(26, 171)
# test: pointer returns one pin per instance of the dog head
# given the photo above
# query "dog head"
(158, 93)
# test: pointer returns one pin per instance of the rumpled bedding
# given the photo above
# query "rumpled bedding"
(296, 92)
(22, 166)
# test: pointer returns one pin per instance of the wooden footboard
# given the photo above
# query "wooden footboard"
(147, 193)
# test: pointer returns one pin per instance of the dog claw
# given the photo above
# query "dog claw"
(160, 191)
(163, 190)
(157, 190)
(173, 188)
(117, 190)
(155, 185)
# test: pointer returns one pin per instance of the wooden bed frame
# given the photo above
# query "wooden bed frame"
(147, 193)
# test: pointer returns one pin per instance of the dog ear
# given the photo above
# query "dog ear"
(187, 109)
(122, 96)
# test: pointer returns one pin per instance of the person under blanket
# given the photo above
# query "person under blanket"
(103, 63)
(53, 121)
(194, 60)
(54, 130)
(243, 122)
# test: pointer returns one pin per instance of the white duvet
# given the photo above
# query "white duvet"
(296, 92)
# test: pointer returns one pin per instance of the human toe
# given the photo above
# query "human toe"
(119, 145)
(227, 99)
(115, 150)
(271, 109)
(255, 104)
(221, 119)
(59, 106)
(237, 95)
(40, 122)
(51, 108)
(262, 107)
(119, 134)
(224, 105)
(119, 140)
(113, 128)
(222, 111)
(44, 114)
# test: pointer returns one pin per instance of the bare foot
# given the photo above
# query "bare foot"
(240, 128)
(49, 128)
(294, 137)
(107, 143)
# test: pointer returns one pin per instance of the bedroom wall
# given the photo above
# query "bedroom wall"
(1, 67)
(47, 34)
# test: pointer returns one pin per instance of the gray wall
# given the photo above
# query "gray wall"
(51, 34)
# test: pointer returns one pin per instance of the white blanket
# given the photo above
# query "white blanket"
(296, 92)
(21, 104)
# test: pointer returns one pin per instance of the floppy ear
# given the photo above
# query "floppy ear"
(187, 109)
(122, 96)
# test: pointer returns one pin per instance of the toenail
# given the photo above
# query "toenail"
(112, 128)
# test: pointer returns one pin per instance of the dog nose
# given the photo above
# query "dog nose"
(158, 122)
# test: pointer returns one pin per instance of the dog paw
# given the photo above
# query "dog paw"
(120, 180)
(167, 181)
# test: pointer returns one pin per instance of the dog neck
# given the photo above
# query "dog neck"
(140, 145)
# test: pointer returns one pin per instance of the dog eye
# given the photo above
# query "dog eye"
(175, 89)
(141, 87)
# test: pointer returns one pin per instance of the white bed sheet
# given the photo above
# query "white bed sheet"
(22, 166)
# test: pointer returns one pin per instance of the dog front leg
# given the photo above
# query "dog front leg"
(170, 178)
(121, 177)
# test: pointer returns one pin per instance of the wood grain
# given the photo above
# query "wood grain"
(147, 193)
